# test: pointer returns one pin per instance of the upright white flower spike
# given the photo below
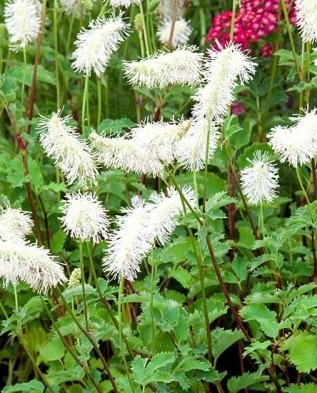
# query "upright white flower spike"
(124, 3)
(130, 243)
(84, 217)
(22, 20)
(164, 211)
(306, 16)
(14, 223)
(70, 153)
(180, 67)
(260, 181)
(22, 261)
(297, 144)
(181, 34)
(95, 45)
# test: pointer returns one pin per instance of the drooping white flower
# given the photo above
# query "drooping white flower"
(191, 151)
(260, 181)
(70, 153)
(160, 138)
(297, 144)
(125, 154)
(180, 67)
(306, 15)
(130, 243)
(84, 217)
(181, 33)
(124, 3)
(95, 45)
(14, 223)
(22, 261)
(164, 210)
(223, 70)
(22, 20)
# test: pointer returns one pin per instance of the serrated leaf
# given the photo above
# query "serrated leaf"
(236, 384)
(160, 360)
(222, 339)
(57, 242)
(182, 276)
(24, 73)
(28, 387)
(35, 174)
(302, 388)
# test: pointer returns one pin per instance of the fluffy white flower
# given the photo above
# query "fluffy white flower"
(125, 154)
(124, 3)
(130, 243)
(14, 223)
(160, 138)
(164, 210)
(95, 45)
(70, 153)
(223, 69)
(74, 7)
(259, 182)
(180, 67)
(181, 34)
(306, 16)
(22, 261)
(297, 144)
(191, 150)
(22, 20)
(84, 217)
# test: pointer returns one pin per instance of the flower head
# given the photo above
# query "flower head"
(75, 7)
(181, 34)
(297, 144)
(21, 18)
(124, 3)
(70, 153)
(14, 224)
(95, 45)
(23, 261)
(84, 217)
(180, 67)
(260, 180)
(306, 15)
(130, 243)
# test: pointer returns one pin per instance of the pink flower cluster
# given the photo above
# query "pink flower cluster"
(254, 20)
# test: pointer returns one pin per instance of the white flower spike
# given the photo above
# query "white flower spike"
(306, 16)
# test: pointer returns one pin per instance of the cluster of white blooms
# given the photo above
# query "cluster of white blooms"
(124, 3)
(297, 144)
(306, 14)
(95, 45)
(139, 227)
(181, 33)
(70, 153)
(84, 217)
(180, 67)
(149, 147)
(23, 22)
(260, 181)
(24, 261)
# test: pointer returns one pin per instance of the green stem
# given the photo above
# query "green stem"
(85, 105)
(58, 99)
(99, 101)
(147, 48)
(301, 185)
(82, 269)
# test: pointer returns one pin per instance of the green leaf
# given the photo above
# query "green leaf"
(35, 174)
(57, 242)
(182, 276)
(28, 387)
(24, 73)
(114, 127)
(222, 339)
(236, 384)
(52, 350)
(160, 360)
(302, 351)
(302, 388)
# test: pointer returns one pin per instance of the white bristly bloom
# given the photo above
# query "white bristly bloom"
(124, 3)
(70, 153)
(95, 45)
(260, 181)
(164, 211)
(306, 16)
(191, 150)
(22, 261)
(223, 70)
(160, 138)
(297, 144)
(180, 67)
(22, 20)
(84, 217)
(125, 154)
(181, 34)
(130, 243)
(14, 223)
